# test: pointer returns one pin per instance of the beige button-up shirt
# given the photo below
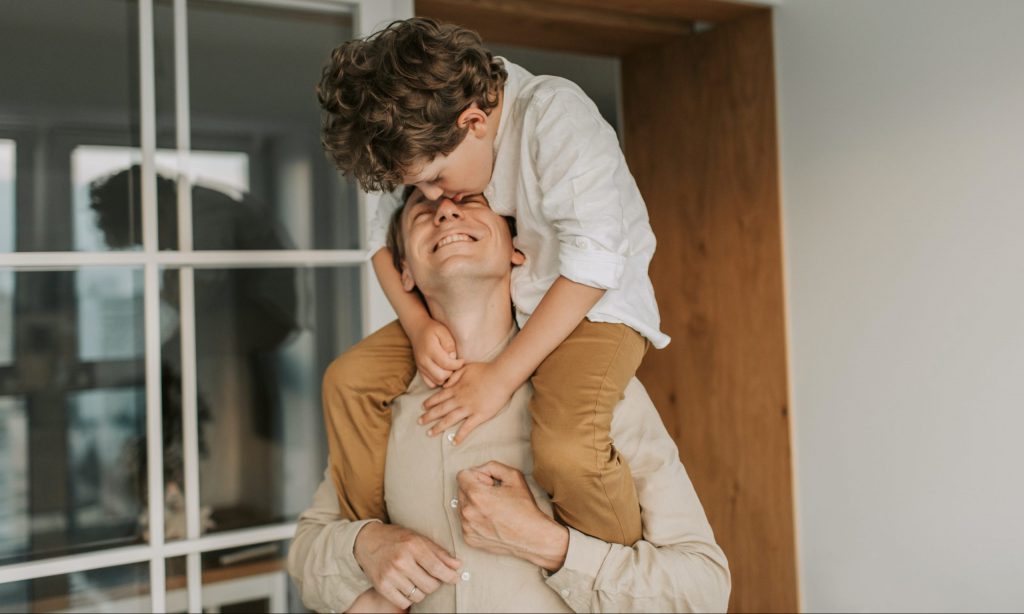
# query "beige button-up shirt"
(677, 567)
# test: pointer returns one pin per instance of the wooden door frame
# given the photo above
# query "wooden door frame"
(700, 139)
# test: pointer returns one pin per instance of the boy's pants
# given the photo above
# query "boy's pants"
(575, 390)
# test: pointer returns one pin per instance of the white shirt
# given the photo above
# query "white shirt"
(559, 171)
(677, 567)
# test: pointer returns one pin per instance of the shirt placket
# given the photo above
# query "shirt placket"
(450, 464)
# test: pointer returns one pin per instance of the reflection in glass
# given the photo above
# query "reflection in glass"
(113, 219)
(264, 337)
(250, 95)
(72, 414)
(249, 579)
(113, 589)
(62, 90)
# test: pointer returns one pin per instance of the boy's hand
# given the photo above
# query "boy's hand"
(434, 349)
(475, 393)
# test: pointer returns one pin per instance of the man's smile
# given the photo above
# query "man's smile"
(456, 237)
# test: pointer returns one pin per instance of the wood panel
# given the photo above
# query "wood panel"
(690, 10)
(701, 141)
(561, 27)
(602, 27)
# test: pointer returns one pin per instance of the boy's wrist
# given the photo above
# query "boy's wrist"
(507, 375)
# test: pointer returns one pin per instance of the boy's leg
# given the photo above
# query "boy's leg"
(358, 389)
(575, 390)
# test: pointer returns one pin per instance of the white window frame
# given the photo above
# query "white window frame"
(367, 16)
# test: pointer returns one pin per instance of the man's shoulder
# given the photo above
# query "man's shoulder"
(636, 405)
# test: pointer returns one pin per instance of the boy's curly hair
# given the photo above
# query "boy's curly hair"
(392, 99)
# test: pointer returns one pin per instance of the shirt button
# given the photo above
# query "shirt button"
(581, 243)
(451, 438)
(465, 576)
(565, 592)
(454, 503)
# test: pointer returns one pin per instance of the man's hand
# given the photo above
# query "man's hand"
(434, 349)
(403, 566)
(499, 515)
(475, 393)
(370, 602)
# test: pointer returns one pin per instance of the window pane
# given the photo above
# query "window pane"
(8, 175)
(253, 73)
(70, 76)
(72, 414)
(114, 589)
(108, 210)
(249, 579)
(264, 337)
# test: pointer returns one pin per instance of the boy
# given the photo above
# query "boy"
(424, 104)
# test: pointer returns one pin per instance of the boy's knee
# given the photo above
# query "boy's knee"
(563, 460)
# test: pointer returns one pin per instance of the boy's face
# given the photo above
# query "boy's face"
(467, 169)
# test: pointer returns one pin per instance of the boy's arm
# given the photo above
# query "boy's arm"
(478, 391)
(432, 342)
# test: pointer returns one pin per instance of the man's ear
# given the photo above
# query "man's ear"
(517, 257)
(408, 283)
(474, 119)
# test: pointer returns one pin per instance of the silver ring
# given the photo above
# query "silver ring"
(412, 592)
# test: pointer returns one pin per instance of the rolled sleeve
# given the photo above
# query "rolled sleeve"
(321, 559)
(577, 159)
(581, 262)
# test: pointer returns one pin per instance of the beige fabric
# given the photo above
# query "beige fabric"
(677, 568)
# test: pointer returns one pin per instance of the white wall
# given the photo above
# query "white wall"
(902, 141)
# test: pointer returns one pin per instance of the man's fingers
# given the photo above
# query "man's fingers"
(395, 596)
(449, 420)
(497, 470)
(439, 570)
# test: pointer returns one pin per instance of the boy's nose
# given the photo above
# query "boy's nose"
(432, 192)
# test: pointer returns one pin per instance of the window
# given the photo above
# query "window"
(178, 265)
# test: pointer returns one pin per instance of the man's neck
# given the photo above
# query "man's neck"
(479, 317)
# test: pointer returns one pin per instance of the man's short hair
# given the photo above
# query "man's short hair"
(395, 241)
(394, 98)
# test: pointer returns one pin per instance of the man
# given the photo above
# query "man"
(468, 530)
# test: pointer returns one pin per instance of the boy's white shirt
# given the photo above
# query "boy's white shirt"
(559, 171)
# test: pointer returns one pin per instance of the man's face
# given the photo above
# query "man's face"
(446, 241)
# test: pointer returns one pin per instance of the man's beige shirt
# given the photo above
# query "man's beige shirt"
(677, 567)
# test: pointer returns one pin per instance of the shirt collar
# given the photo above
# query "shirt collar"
(509, 94)
(417, 385)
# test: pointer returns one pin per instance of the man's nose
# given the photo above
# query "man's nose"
(446, 211)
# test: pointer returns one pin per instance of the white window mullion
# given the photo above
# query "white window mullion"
(136, 554)
(370, 15)
(187, 308)
(56, 261)
(151, 309)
